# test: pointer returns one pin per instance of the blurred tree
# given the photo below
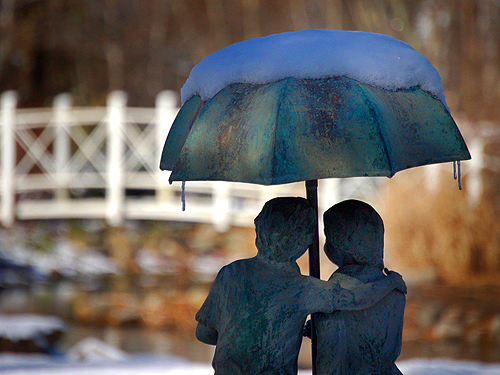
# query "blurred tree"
(143, 47)
(91, 47)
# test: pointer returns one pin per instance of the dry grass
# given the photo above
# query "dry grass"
(438, 232)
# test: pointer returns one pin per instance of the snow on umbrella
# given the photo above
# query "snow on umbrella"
(308, 105)
(258, 108)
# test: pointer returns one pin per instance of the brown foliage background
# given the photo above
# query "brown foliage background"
(438, 233)
(91, 47)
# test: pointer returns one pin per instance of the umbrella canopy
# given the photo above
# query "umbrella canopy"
(306, 129)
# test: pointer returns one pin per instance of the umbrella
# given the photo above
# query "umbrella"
(306, 129)
(310, 105)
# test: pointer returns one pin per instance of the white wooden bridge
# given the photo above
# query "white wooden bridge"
(103, 162)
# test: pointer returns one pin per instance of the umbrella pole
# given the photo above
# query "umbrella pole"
(312, 197)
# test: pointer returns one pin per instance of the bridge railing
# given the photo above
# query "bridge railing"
(103, 162)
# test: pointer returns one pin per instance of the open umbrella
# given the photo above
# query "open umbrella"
(310, 105)
(306, 129)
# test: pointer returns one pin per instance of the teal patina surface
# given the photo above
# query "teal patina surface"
(305, 129)
(256, 308)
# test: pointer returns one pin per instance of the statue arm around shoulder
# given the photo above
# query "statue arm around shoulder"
(353, 294)
(207, 335)
(397, 280)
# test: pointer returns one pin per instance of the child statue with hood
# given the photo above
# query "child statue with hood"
(256, 308)
(368, 341)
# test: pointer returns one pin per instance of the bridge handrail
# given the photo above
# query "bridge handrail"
(102, 162)
(51, 156)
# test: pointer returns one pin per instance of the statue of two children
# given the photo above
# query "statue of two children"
(256, 308)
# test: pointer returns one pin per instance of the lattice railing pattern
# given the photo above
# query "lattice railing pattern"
(103, 162)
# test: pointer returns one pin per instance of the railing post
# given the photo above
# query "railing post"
(8, 102)
(115, 193)
(328, 193)
(266, 192)
(166, 110)
(221, 201)
(62, 105)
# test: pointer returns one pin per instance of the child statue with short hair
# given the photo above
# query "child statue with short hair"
(256, 308)
(366, 341)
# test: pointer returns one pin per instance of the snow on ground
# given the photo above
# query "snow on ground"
(96, 357)
(64, 260)
(150, 365)
(374, 59)
(27, 326)
(424, 366)
(137, 365)
(91, 355)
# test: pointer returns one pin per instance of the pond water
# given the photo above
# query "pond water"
(138, 340)
(135, 337)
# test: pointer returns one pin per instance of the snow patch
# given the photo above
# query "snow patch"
(374, 59)
(27, 326)
(91, 349)
(440, 366)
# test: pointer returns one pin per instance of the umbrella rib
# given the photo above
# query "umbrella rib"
(278, 109)
(376, 116)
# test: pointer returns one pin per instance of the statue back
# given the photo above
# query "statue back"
(362, 342)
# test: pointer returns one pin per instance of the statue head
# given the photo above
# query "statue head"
(285, 228)
(354, 234)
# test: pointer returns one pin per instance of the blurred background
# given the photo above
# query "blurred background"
(100, 241)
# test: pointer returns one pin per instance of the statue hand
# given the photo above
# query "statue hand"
(397, 280)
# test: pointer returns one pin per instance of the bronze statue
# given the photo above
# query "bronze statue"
(365, 341)
(257, 307)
